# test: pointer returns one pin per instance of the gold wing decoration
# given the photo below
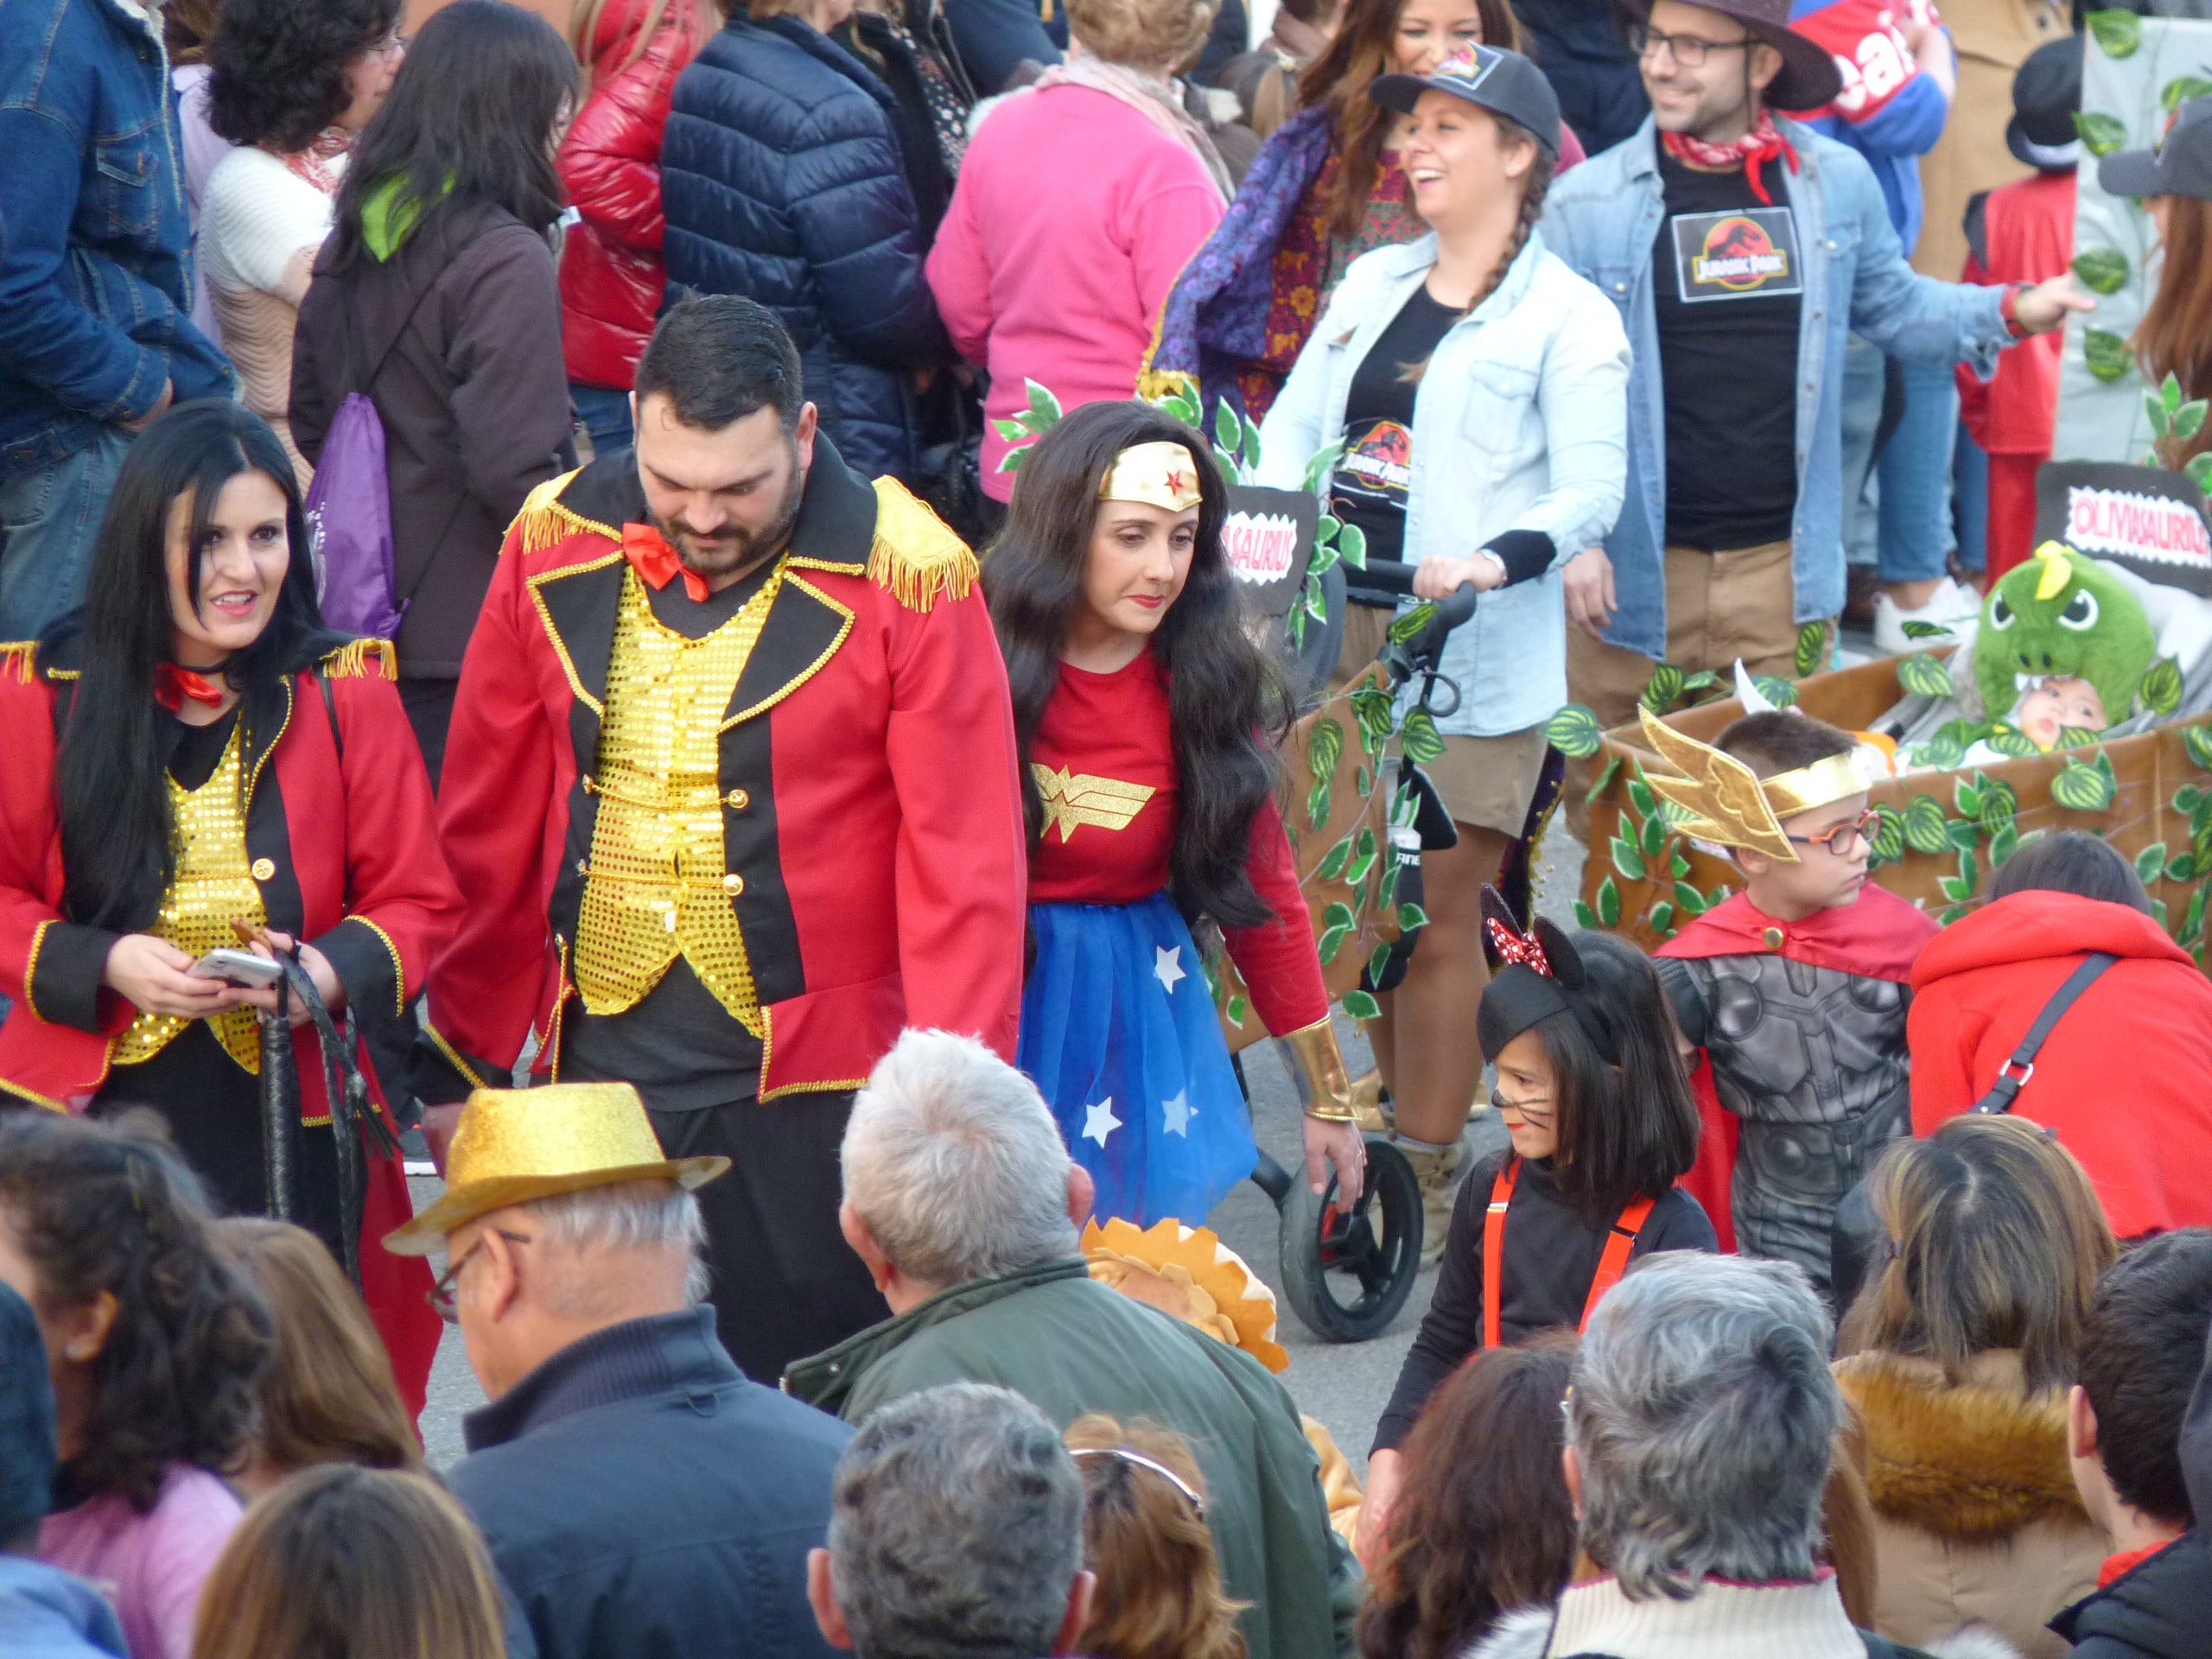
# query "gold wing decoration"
(1080, 799)
(1721, 792)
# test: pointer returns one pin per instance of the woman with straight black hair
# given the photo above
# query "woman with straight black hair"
(437, 298)
(1141, 707)
(1593, 1093)
(191, 760)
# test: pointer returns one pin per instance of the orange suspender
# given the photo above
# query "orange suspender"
(1619, 1241)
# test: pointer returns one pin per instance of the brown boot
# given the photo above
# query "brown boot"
(1438, 1170)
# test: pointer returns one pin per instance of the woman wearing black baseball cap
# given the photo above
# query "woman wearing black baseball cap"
(2174, 181)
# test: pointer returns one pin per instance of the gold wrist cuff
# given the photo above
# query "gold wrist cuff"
(1321, 1065)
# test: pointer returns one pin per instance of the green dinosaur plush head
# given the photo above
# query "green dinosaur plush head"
(2062, 615)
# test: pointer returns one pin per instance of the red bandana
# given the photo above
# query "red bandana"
(656, 562)
(1760, 145)
(172, 685)
(1521, 948)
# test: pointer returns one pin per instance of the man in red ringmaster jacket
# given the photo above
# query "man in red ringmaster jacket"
(2124, 1078)
(731, 796)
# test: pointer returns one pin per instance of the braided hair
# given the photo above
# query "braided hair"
(1537, 186)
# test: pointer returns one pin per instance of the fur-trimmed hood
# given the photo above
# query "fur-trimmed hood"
(1975, 1460)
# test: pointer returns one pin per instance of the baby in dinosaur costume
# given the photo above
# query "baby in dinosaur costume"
(2062, 643)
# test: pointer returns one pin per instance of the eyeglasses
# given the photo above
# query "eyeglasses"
(1835, 840)
(393, 45)
(1688, 50)
(441, 1295)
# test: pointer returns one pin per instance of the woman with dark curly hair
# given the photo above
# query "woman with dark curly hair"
(155, 1341)
(293, 81)
(1142, 707)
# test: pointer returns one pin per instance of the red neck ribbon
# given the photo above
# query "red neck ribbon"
(657, 563)
(1760, 145)
(172, 685)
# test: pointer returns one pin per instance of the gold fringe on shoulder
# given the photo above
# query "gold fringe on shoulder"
(540, 523)
(19, 658)
(1154, 385)
(915, 555)
(350, 660)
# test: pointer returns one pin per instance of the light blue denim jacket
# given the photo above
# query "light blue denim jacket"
(1603, 218)
(1519, 423)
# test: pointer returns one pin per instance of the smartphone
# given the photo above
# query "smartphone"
(237, 968)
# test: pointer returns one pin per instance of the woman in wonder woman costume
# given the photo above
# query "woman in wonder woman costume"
(1141, 707)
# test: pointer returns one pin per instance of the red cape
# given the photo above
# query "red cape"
(1878, 938)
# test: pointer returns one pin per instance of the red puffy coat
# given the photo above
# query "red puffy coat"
(2125, 1076)
(610, 273)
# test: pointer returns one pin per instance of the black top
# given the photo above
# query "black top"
(1371, 480)
(677, 1043)
(198, 749)
(1551, 1258)
(641, 1498)
(1726, 287)
(2158, 1608)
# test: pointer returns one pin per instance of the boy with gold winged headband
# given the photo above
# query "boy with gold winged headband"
(1795, 988)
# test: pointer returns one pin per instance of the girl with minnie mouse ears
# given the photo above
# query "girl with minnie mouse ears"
(1592, 1090)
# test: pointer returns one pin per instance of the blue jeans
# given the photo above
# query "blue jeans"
(606, 416)
(1898, 510)
(1971, 468)
(48, 519)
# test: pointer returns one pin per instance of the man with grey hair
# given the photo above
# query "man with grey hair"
(961, 1199)
(955, 1532)
(639, 1496)
(1700, 1428)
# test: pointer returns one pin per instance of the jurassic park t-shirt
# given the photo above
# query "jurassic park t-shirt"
(1377, 465)
(1726, 287)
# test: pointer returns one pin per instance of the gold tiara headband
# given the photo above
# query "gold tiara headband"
(1729, 804)
(1159, 474)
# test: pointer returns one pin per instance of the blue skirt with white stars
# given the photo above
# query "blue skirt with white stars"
(1118, 1032)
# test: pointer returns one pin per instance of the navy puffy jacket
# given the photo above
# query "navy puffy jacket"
(781, 181)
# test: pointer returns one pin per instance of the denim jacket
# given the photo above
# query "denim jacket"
(95, 245)
(1603, 218)
(1519, 423)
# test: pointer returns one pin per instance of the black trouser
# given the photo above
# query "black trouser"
(785, 1283)
(429, 704)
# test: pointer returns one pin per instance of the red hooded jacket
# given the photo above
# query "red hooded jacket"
(611, 272)
(2125, 1076)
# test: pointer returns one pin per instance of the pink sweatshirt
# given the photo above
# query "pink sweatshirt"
(150, 1566)
(1073, 218)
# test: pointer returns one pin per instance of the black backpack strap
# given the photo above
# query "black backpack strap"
(2013, 1075)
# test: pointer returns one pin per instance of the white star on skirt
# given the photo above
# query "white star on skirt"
(1179, 1111)
(1099, 1122)
(1167, 966)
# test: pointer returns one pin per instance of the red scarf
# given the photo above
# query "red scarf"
(313, 162)
(1760, 145)
(172, 685)
(2127, 1561)
(656, 564)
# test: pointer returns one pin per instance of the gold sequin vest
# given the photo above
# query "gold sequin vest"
(657, 886)
(214, 883)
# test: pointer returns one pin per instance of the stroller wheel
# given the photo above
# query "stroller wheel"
(1347, 1272)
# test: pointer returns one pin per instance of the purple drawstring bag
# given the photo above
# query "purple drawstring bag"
(349, 520)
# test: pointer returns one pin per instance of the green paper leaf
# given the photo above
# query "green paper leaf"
(1888, 835)
(1336, 914)
(2010, 741)
(1044, 408)
(2081, 789)
(1941, 751)
(2102, 270)
(1333, 940)
(1962, 833)
(1918, 630)
(2162, 687)
(1420, 739)
(1573, 732)
(1663, 918)
(1012, 431)
(1663, 688)
(1775, 690)
(1405, 627)
(1363, 859)
(1653, 841)
(2192, 919)
(1360, 1005)
(1999, 804)
(1325, 746)
(1227, 428)
(1640, 792)
(1967, 795)
(1293, 626)
(1333, 861)
(1236, 1009)
(1377, 961)
(1319, 466)
(2076, 737)
(2118, 33)
(1351, 542)
(2107, 355)
(1678, 866)
(2189, 419)
(2199, 468)
(2151, 863)
(1584, 916)
(1955, 889)
(2169, 392)
(1411, 917)
(1609, 903)
(1372, 706)
(1704, 680)
(1688, 899)
(1951, 915)
(2188, 798)
(1317, 802)
(2179, 91)
(1363, 781)
(2154, 410)
(1604, 778)
(2197, 741)
(1812, 648)
(1627, 860)
(1925, 677)
(1924, 825)
(2003, 845)
(1011, 461)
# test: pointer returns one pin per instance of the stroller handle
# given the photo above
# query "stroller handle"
(1422, 651)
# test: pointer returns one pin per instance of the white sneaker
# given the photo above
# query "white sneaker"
(1948, 607)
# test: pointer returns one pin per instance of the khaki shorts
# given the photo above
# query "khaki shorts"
(1488, 782)
(1721, 607)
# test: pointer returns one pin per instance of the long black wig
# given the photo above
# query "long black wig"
(1224, 697)
(112, 796)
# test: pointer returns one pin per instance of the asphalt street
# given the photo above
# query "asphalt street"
(1343, 1385)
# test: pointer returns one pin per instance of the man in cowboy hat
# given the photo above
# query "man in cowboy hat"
(1742, 250)
(639, 1496)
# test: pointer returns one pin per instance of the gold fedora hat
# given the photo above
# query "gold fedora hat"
(514, 1144)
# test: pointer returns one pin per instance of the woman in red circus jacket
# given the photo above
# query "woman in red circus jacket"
(196, 749)
(2124, 1078)
(632, 51)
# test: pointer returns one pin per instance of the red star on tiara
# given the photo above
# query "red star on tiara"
(1521, 948)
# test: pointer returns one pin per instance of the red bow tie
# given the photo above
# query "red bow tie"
(656, 562)
(172, 685)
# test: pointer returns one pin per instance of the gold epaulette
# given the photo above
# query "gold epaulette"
(19, 658)
(543, 520)
(350, 660)
(916, 554)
